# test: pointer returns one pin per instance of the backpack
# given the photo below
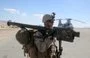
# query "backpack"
(24, 36)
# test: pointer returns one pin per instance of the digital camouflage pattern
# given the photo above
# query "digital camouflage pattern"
(46, 48)
(35, 47)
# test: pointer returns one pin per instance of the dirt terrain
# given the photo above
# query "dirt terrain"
(10, 48)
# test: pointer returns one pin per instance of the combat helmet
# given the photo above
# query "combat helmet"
(47, 17)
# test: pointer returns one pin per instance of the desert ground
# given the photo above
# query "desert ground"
(80, 48)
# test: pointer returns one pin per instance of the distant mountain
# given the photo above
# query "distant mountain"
(3, 22)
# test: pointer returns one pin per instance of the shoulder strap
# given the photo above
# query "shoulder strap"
(43, 31)
(47, 32)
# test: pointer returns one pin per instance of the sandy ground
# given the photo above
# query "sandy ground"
(10, 48)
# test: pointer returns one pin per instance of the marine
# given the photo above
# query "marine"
(43, 43)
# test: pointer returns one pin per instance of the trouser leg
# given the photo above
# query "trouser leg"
(33, 52)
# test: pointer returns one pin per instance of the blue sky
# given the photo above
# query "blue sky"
(31, 11)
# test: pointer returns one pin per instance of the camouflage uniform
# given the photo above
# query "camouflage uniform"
(38, 47)
(45, 46)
